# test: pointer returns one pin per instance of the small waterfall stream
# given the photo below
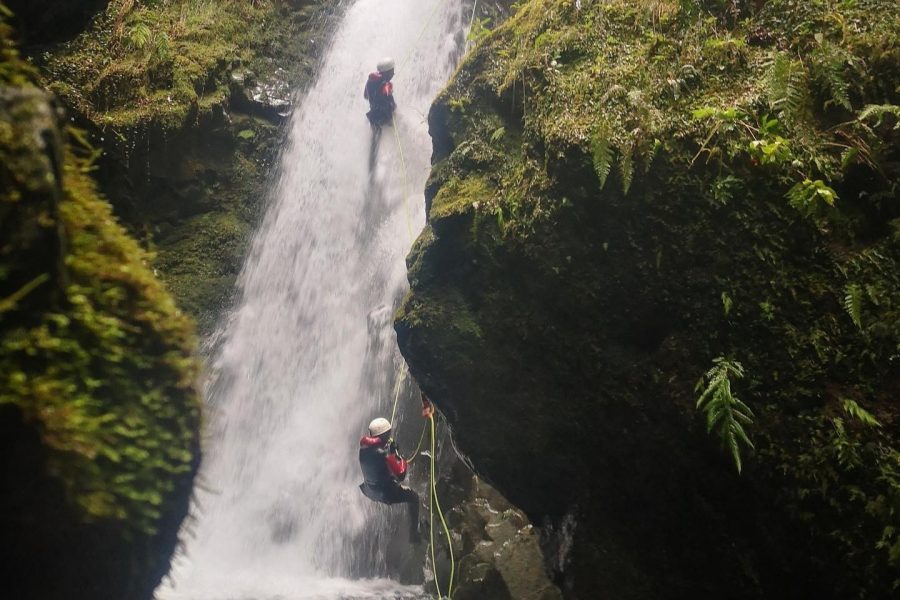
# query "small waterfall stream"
(308, 355)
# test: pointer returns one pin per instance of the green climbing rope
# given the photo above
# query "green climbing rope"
(436, 503)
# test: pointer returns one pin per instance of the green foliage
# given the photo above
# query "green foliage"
(771, 151)
(855, 410)
(724, 411)
(143, 61)
(138, 35)
(602, 155)
(787, 87)
(727, 303)
(853, 303)
(626, 170)
(879, 112)
(828, 63)
(480, 30)
(847, 489)
(807, 196)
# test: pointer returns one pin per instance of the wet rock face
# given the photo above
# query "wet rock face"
(497, 549)
(269, 99)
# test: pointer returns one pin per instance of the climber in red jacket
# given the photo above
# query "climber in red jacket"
(384, 468)
(379, 91)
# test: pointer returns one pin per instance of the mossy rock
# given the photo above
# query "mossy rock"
(637, 214)
(98, 402)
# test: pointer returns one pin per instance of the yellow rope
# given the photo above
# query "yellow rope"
(431, 16)
(435, 502)
(419, 445)
(408, 188)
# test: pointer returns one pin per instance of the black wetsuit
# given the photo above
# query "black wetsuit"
(383, 469)
(380, 94)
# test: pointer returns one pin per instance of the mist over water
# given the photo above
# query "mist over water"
(308, 356)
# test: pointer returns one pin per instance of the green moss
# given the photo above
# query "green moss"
(200, 259)
(458, 195)
(144, 62)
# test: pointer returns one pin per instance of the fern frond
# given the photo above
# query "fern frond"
(724, 412)
(626, 170)
(880, 111)
(739, 405)
(735, 453)
(786, 87)
(829, 63)
(137, 37)
(853, 303)
(855, 410)
(602, 156)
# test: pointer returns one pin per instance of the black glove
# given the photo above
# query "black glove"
(392, 446)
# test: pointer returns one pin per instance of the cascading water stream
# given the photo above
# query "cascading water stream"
(308, 356)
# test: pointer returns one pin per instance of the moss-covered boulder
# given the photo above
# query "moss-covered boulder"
(99, 414)
(185, 99)
(623, 193)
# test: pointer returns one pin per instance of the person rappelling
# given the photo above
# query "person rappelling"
(383, 469)
(379, 91)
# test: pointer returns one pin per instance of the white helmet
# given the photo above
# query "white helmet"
(379, 426)
(385, 64)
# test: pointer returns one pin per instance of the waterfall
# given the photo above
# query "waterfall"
(308, 355)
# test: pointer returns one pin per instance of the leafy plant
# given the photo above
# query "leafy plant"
(786, 87)
(602, 154)
(724, 411)
(855, 410)
(807, 195)
(771, 151)
(853, 303)
(138, 35)
(626, 169)
(727, 303)
(880, 111)
(479, 30)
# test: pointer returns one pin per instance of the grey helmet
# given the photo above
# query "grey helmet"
(379, 426)
(385, 64)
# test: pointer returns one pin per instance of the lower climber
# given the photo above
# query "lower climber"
(384, 468)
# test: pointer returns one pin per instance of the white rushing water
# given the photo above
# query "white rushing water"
(309, 356)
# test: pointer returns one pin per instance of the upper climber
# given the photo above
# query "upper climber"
(379, 92)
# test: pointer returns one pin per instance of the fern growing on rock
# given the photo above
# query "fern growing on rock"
(853, 303)
(724, 411)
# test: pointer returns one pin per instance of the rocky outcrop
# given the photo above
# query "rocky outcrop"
(612, 207)
(497, 548)
(99, 415)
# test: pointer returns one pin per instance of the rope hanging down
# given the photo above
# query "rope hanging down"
(435, 502)
(433, 499)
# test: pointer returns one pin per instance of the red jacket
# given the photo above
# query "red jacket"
(378, 92)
